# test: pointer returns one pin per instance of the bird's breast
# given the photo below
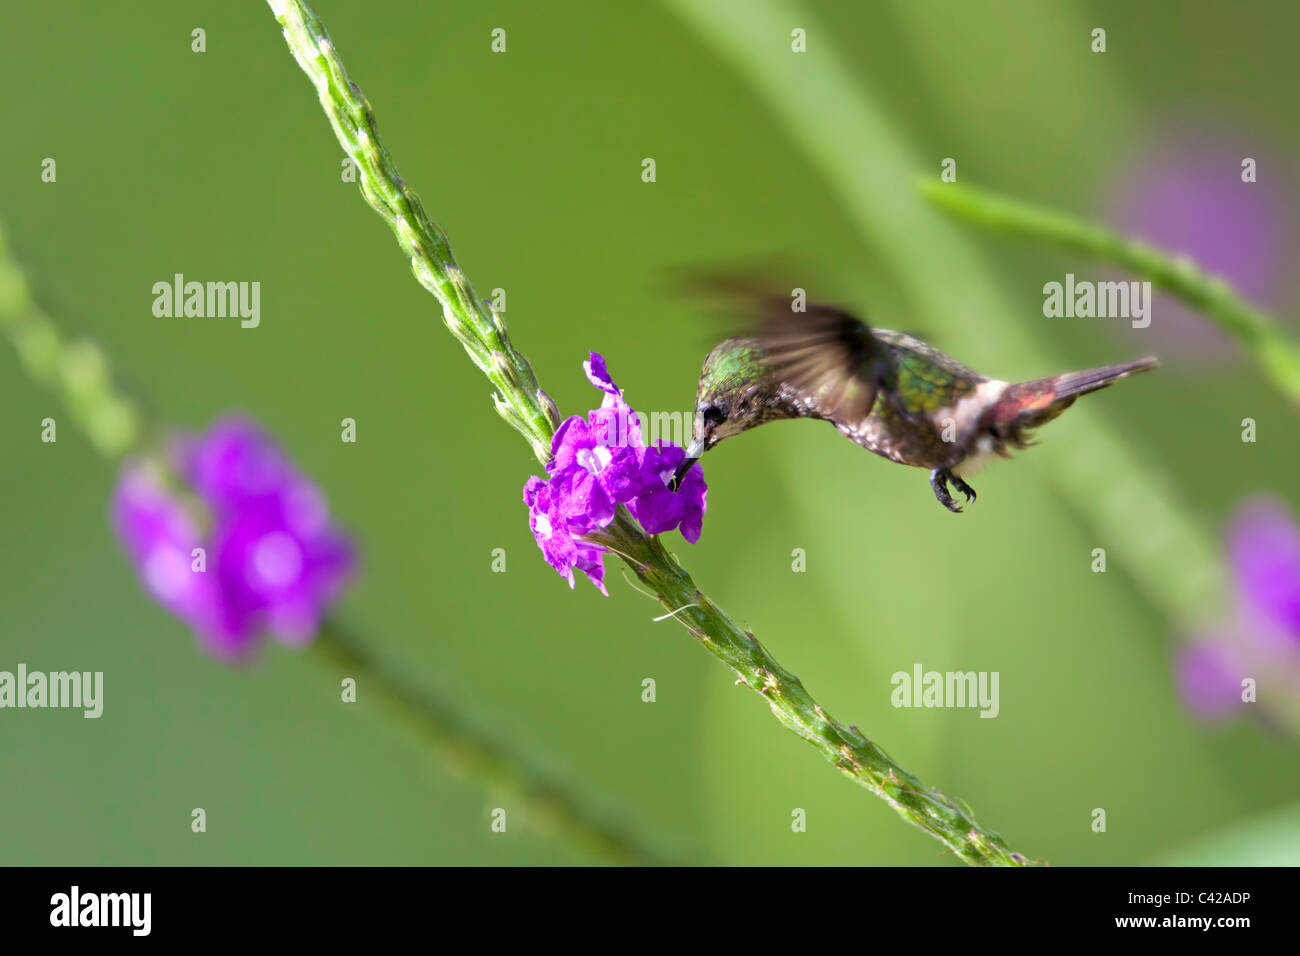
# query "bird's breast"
(947, 437)
(983, 450)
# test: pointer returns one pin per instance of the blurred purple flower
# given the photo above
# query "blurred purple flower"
(1263, 544)
(159, 535)
(1185, 195)
(273, 561)
(598, 463)
(1209, 679)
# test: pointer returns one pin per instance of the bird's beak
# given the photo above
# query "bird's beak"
(693, 452)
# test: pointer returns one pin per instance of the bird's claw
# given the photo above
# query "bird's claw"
(964, 488)
(940, 478)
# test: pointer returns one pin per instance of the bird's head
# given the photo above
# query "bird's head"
(732, 397)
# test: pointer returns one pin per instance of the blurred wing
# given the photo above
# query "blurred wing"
(823, 350)
(828, 353)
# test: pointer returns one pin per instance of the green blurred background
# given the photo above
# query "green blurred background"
(221, 166)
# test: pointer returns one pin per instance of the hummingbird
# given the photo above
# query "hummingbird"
(887, 391)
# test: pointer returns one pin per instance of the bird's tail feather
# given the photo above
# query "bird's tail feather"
(1089, 380)
(1030, 404)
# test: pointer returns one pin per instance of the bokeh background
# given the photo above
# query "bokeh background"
(221, 166)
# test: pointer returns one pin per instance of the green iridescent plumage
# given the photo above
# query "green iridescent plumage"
(732, 367)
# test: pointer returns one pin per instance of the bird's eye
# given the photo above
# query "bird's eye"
(714, 416)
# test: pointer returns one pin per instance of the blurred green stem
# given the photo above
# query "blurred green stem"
(524, 405)
(1128, 500)
(467, 747)
(1257, 331)
(80, 374)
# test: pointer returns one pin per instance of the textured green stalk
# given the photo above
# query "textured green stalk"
(469, 748)
(79, 372)
(479, 327)
(1257, 331)
(435, 267)
(862, 761)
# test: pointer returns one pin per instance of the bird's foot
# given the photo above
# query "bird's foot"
(964, 488)
(940, 478)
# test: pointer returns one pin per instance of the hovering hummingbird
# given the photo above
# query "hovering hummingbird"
(887, 391)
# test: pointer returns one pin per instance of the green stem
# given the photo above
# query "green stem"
(434, 266)
(1257, 331)
(862, 761)
(470, 748)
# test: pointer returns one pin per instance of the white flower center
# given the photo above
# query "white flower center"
(167, 572)
(595, 459)
(277, 560)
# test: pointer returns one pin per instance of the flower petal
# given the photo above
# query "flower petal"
(598, 375)
(659, 509)
(572, 435)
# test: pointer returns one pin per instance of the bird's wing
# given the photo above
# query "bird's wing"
(828, 353)
(821, 350)
(926, 386)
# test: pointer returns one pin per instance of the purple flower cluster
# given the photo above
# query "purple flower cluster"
(598, 463)
(1264, 638)
(271, 559)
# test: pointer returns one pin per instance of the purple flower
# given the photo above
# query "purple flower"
(233, 463)
(1263, 544)
(600, 457)
(598, 463)
(659, 509)
(271, 559)
(550, 526)
(615, 422)
(601, 475)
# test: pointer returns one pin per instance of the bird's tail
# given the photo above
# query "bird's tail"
(1030, 404)
(1089, 380)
